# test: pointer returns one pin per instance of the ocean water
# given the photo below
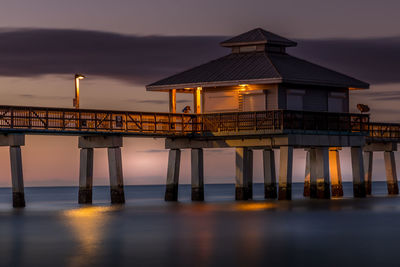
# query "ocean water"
(53, 230)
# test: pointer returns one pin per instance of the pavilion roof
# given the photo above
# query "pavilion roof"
(258, 36)
(258, 67)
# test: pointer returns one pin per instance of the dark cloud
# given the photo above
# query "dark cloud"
(374, 60)
(32, 52)
(144, 59)
(31, 96)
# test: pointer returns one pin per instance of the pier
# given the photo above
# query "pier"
(257, 97)
(321, 134)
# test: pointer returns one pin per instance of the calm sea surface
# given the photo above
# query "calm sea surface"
(55, 231)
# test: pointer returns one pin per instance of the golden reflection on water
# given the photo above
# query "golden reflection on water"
(87, 223)
(254, 206)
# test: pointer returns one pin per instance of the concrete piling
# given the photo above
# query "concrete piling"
(113, 144)
(174, 161)
(197, 172)
(86, 176)
(285, 173)
(391, 175)
(335, 172)
(357, 163)
(249, 173)
(269, 174)
(306, 191)
(242, 173)
(116, 176)
(17, 177)
(319, 173)
(368, 159)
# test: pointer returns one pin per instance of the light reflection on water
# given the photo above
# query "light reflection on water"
(88, 224)
(301, 232)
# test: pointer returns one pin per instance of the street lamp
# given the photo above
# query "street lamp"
(76, 99)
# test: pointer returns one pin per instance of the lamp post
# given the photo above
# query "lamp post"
(76, 99)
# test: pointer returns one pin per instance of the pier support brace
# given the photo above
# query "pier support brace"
(319, 173)
(368, 159)
(335, 172)
(174, 161)
(197, 174)
(17, 177)
(242, 189)
(391, 175)
(285, 173)
(269, 174)
(85, 176)
(116, 176)
(357, 163)
(306, 191)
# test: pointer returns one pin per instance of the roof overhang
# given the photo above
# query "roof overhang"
(253, 81)
(211, 84)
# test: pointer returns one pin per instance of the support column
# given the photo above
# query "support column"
(197, 100)
(174, 160)
(249, 173)
(307, 178)
(17, 177)
(335, 172)
(391, 175)
(285, 173)
(172, 101)
(85, 176)
(242, 173)
(357, 163)
(368, 159)
(197, 174)
(116, 176)
(269, 174)
(319, 173)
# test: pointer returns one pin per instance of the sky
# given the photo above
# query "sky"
(123, 45)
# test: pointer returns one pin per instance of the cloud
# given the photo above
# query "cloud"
(157, 101)
(137, 59)
(380, 96)
(31, 96)
(145, 59)
(374, 60)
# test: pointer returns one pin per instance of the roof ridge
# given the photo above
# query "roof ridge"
(273, 65)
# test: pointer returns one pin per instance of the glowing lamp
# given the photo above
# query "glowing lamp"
(78, 77)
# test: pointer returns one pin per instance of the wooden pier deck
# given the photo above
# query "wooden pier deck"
(66, 121)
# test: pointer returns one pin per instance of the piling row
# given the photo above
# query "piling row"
(323, 178)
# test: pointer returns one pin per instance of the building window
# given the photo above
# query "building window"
(247, 48)
(295, 99)
(254, 101)
(336, 102)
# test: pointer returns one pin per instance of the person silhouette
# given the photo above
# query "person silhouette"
(186, 109)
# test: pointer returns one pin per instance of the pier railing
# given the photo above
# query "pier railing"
(95, 121)
(73, 121)
(388, 131)
(280, 120)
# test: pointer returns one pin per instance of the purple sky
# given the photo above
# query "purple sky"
(122, 45)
